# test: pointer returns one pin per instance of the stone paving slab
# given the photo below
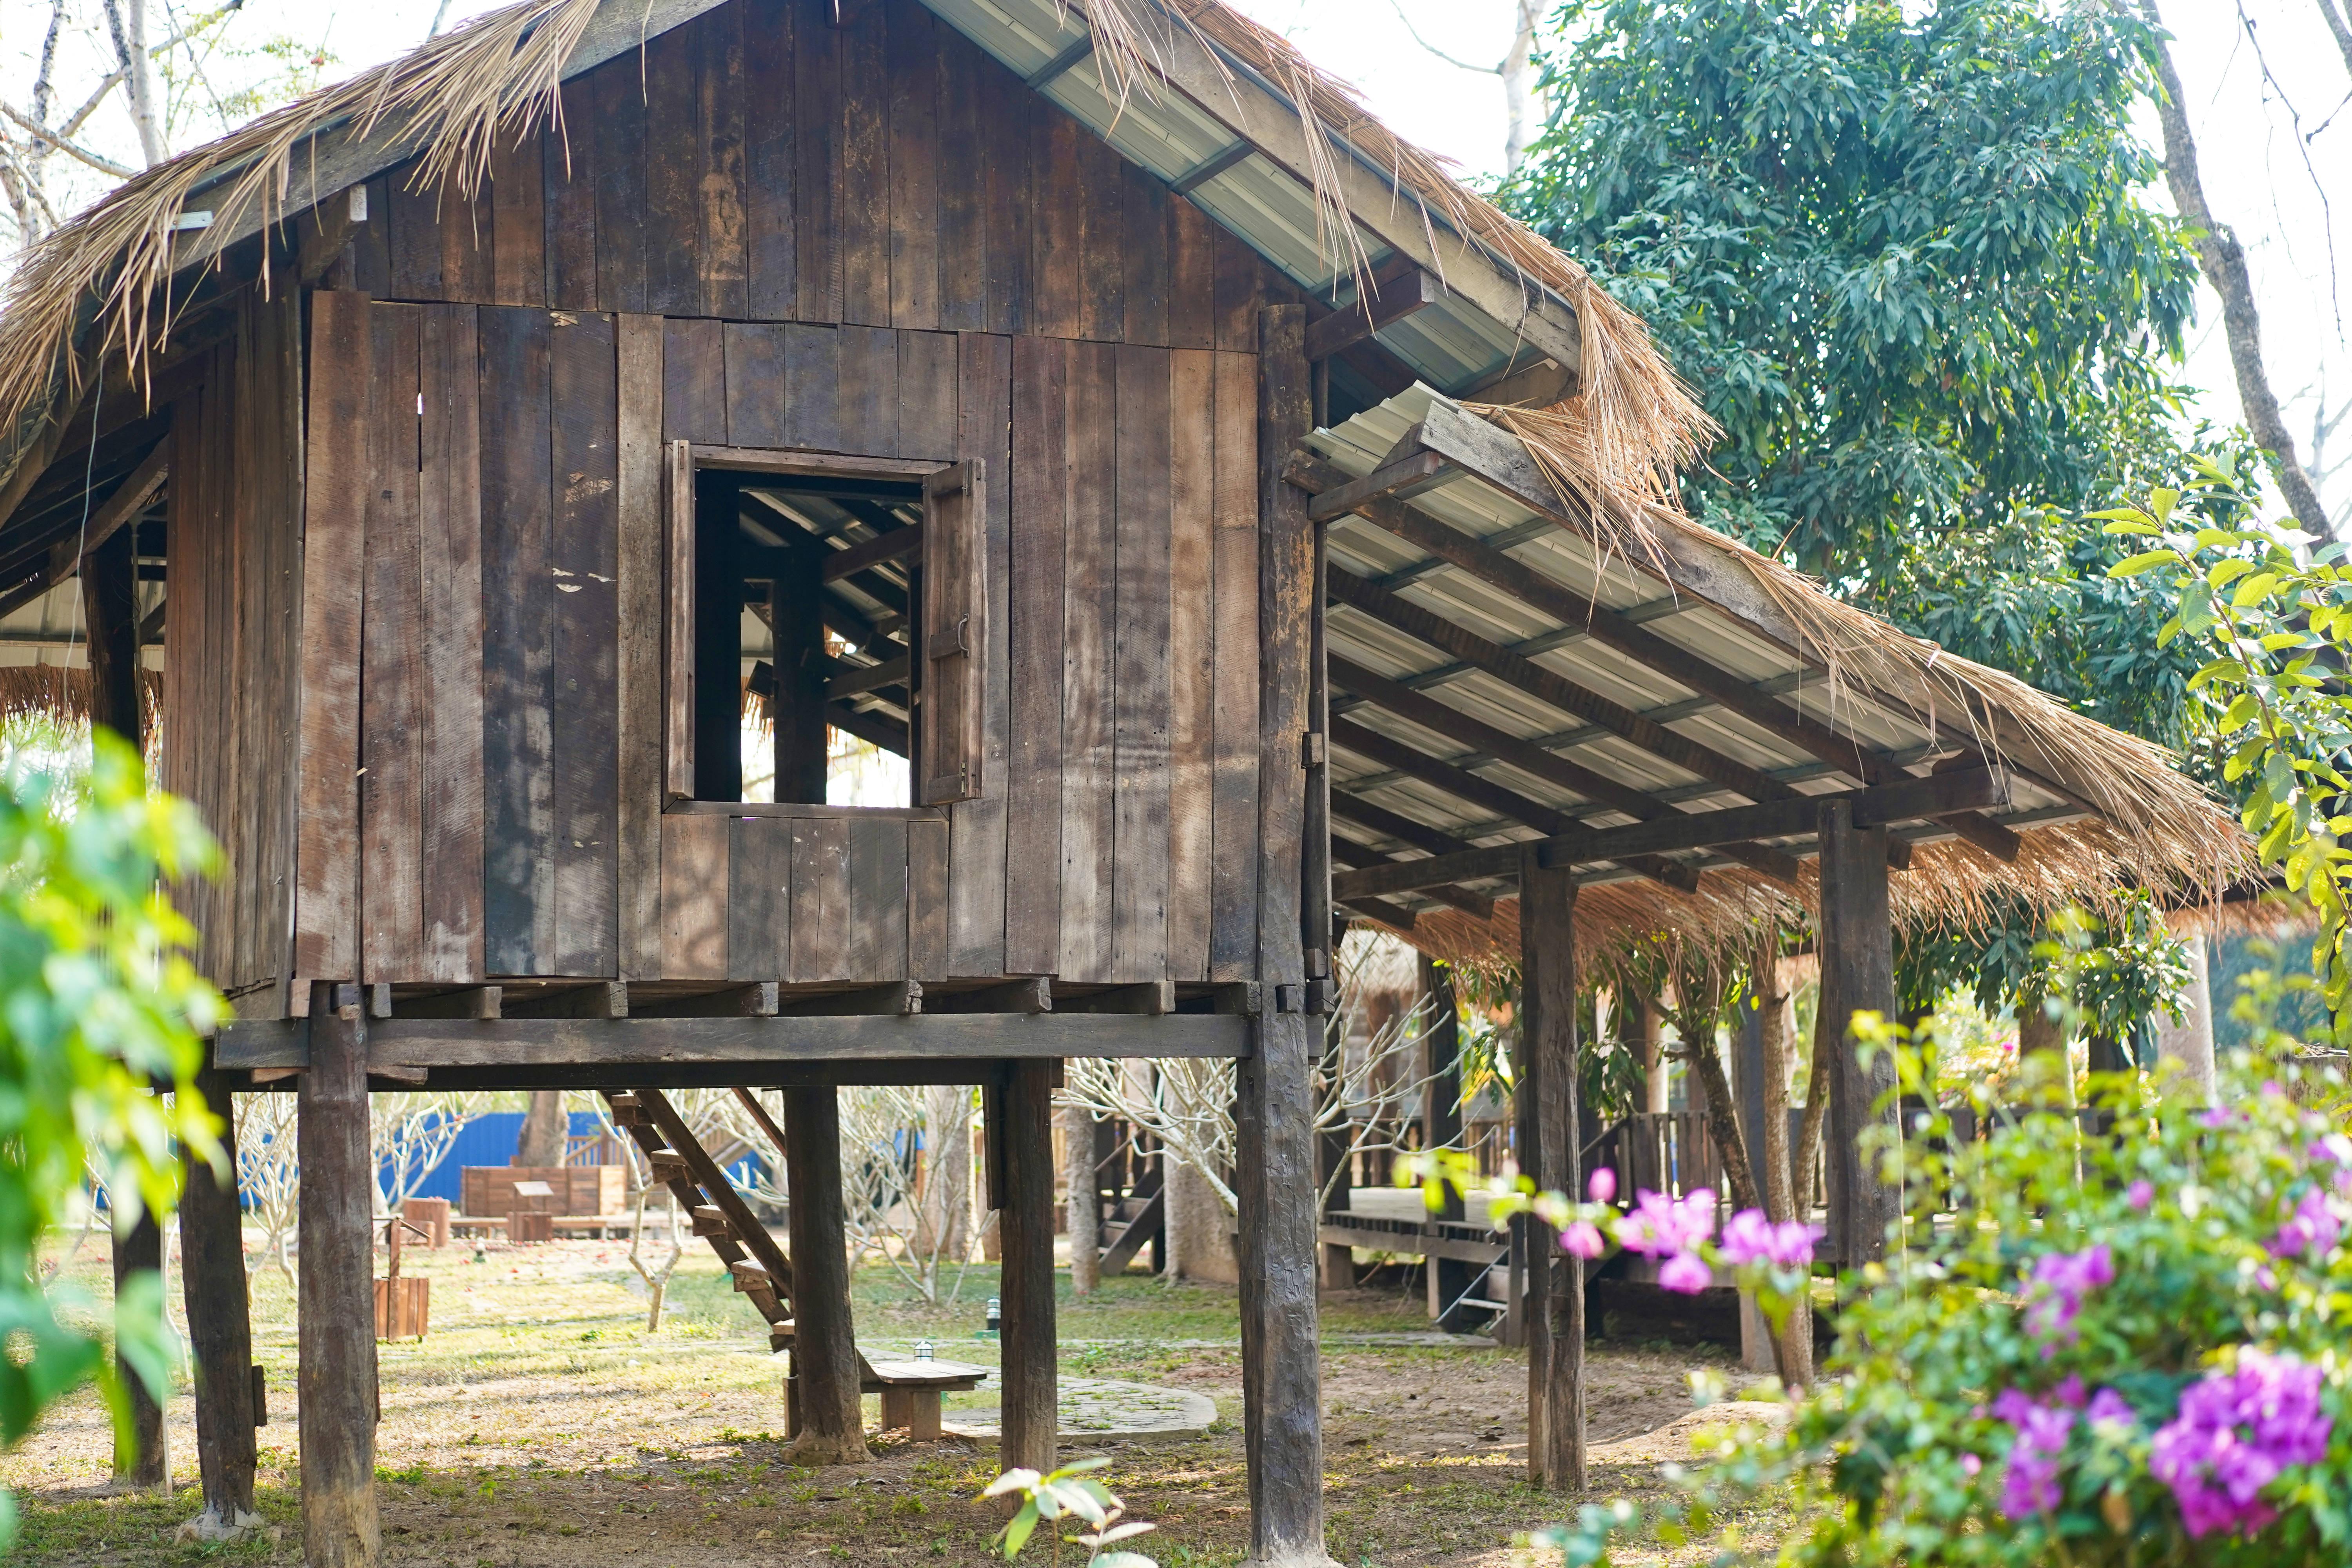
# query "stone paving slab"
(1103, 1407)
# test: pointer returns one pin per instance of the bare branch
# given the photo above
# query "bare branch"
(81, 154)
(1432, 49)
(2335, 25)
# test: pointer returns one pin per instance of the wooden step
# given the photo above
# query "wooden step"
(779, 1336)
(628, 1111)
(750, 1276)
(709, 1221)
(669, 1167)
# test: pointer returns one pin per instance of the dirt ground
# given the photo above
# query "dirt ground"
(541, 1425)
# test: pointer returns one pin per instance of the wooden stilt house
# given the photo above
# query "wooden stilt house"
(1085, 401)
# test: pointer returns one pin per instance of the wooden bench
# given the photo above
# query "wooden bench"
(910, 1392)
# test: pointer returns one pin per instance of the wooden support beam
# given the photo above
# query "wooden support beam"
(1395, 293)
(1494, 797)
(1152, 999)
(1274, 1099)
(466, 1002)
(1210, 167)
(109, 597)
(891, 546)
(1035, 995)
(220, 1324)
(1063, 61)
(1025, 1105)
(1548, 1132)
(1530, 758)
(1857, 943)
(129, 499)
(825, 1349)
(874, 729)
(752, 1045)
(757, 1000)
(1315, 911)
(851, 681)
(1909, 801)
(1398, 479)
(143, 1462)
(335, 1327)
(1356, 855)
(892, 999)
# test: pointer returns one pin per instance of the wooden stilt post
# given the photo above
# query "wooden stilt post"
(1026, 1224)
(220, 1327)
(141, 1458)
(1555, 1312)
(1275, 1106)
(336, 1320)
(1857, 953)
(824, 1346)
(1450, 1279)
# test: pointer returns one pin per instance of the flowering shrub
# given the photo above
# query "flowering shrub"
(2105, 1347)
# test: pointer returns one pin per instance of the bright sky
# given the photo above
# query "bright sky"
(2253, 157)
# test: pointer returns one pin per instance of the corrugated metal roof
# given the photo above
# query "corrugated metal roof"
(1358, 446)
(1451, 345)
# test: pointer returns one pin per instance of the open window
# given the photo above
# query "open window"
(826, 614)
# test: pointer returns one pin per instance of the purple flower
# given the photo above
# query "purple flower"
(2140, 1194)
(2030, 1483)
(2109, 1409)
(1971, 1464)
(1584, 1240)
(1660, 1225)
(2313, 1227)
(2061, 1280)
(2335, 1148)
(2235, 1432)
(1603, 1185)
(1749, 1237)
(1686, 1274)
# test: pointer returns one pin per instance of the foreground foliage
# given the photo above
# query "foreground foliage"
(97, 1001)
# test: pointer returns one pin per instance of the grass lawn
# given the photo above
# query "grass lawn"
(541, 1424)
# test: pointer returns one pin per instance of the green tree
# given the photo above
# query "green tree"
(98, 1005)
(1904, 259)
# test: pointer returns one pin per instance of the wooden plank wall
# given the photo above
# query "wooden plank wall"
(870, 240)
(230, 646)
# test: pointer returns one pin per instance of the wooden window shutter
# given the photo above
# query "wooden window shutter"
(955, 633)
(677, 705)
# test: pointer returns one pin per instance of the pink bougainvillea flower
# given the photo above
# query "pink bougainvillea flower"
(2030, 1482)
(1584, 1240)
(2234, 1434)
(1686, 1273)
(2060, 1281)
(2140, 1194)
(2110, 1409)
(1603, 1185)
(2312, 1228)
(1660, 1225)
(1749, 1237)
(1970, 1464)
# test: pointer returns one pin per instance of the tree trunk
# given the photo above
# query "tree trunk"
(1518, 96)
(1722, 1118)
(1792, 1344)
(2189, 1043)
(126, 19)
(1804, 1158)
(2224, 261)
(1086, 1213)
(545, 1131)
(947, 1188)
(1658, 1083)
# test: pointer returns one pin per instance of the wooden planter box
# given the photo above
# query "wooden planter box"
(403, 1308)
(579, 1189)
(430, 1216)
(524, 1226)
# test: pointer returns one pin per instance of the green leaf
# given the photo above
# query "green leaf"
(2148, 561)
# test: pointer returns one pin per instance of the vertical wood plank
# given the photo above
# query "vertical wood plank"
(638, 599)
(869, 390)
(372, 242)
(927, 396)
(275, 478)
(677, 620)
(721, 109)
(468, 230)
(694, 921)
(912, 70)
(771, 169)
(1238, 271)
(964, 144)
(817, 158)
(1192, 657)
(449, 539)
(517, 673)
(820, 898)
(758, 897)
(391, 679)
(1008, 113)
(1055, 215)
(1091, 561)
(336, 459)
(1139, 679)
(877, 899)
(585, 562)
(1233, 789)
(984, 418)
(1192, 276)
(1102, 241)
(927, 899)
(412, 225)
(671, 218)
(518, 222)
(619, 134)
(1145, 254)
(568, 187)
(755, 384)
(1032, 859)
(694, 380)
(863, 220)
(813, 387)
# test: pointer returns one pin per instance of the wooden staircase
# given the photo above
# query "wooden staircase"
(718, 1213)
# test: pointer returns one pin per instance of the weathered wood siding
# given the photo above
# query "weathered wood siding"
(230, 640)
(870, 240)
